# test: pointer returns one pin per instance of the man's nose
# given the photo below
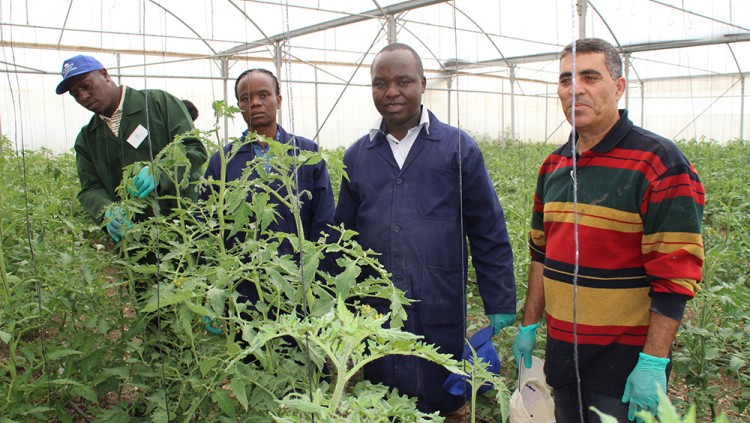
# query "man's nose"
(392, 90)
(82, 95)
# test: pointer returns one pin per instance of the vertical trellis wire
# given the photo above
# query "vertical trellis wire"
(462, 240)
(574, 176)
(295, 203)
(24, 177)
(157, 253)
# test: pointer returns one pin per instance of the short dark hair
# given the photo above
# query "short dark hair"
(402, 46)
(597, 45)
(191, 109)
(266, 71)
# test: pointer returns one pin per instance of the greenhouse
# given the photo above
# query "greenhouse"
(76, 344)
(490, 65)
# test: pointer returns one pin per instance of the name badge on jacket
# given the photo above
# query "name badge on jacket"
(136, 138)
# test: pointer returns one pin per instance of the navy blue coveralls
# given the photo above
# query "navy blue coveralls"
(316, 213)
(412, 217)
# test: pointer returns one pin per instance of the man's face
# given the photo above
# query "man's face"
(96, 92)
(596, 94)
(397, 88)
(256, 96)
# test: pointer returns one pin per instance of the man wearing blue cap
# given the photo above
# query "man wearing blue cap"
(128, 126)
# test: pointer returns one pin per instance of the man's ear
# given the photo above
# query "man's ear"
(621, 85)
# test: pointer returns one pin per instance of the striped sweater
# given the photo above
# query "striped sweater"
(638, 211)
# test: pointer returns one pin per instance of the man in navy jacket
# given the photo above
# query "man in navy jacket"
(417, 189)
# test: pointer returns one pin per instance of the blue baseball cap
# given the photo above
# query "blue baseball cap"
(77, 65)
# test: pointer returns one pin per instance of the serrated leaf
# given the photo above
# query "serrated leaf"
(736, 363)
(168, 298)
(238, 388)
(225, 403)
(55, 355)
(197, 309)
(207, 364)
(85, 392)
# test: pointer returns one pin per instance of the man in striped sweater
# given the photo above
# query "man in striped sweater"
(614, 266)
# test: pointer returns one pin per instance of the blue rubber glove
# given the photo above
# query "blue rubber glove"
(143, 183)
(116, 222)
(208, 324)
(525, 343)
(501, 321)
(641, 387)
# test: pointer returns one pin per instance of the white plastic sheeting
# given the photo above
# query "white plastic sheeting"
(490, 64)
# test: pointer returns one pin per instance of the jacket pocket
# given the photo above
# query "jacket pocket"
(438, 193)
(441, 296)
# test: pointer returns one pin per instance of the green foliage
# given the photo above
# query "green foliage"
(665, 413)
(93, 349)
(134, 344)
(712, 351)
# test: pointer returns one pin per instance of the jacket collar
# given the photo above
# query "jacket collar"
(281, 133)
(431, 130)
(610, 141)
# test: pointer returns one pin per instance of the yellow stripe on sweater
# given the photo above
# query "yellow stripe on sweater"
(669, 242)
(593, 216)
(596, 306)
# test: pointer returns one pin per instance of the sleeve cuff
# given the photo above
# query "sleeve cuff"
(670, 306)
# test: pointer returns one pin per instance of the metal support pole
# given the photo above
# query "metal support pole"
(512, 103)
(627, 79)
(643, 104)
(119, 72)
(582, 6)
(224, 67)
(742, 107)
(546, 110)
(450, 85)
(277, 60)
(502, 115)
(391, 27)
(317, 118)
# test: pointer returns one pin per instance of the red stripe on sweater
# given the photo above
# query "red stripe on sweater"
(596, 335)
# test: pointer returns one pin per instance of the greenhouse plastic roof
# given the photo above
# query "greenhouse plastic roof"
(490, 34)
(500, 55)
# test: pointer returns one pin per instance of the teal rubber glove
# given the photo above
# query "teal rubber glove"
(116, 223)
(501, 321)
(525, 343)
(642, 384)
(208, 324)
(143, 183)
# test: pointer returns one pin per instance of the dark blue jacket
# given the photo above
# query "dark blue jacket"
(316, 213)
(413, 217)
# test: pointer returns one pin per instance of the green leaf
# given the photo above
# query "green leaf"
(736, 363)
(207, 364)
(238, 387)
(313, 160)
(5, 337)
(605, 418)
(168, 298)
(58, 354)
(197, 309)
(85, 392)
(225, 403)
(346, 280)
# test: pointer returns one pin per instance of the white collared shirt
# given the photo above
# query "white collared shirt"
(114, 122)
(401, 148)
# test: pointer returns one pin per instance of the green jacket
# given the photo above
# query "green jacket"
(100, 155)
